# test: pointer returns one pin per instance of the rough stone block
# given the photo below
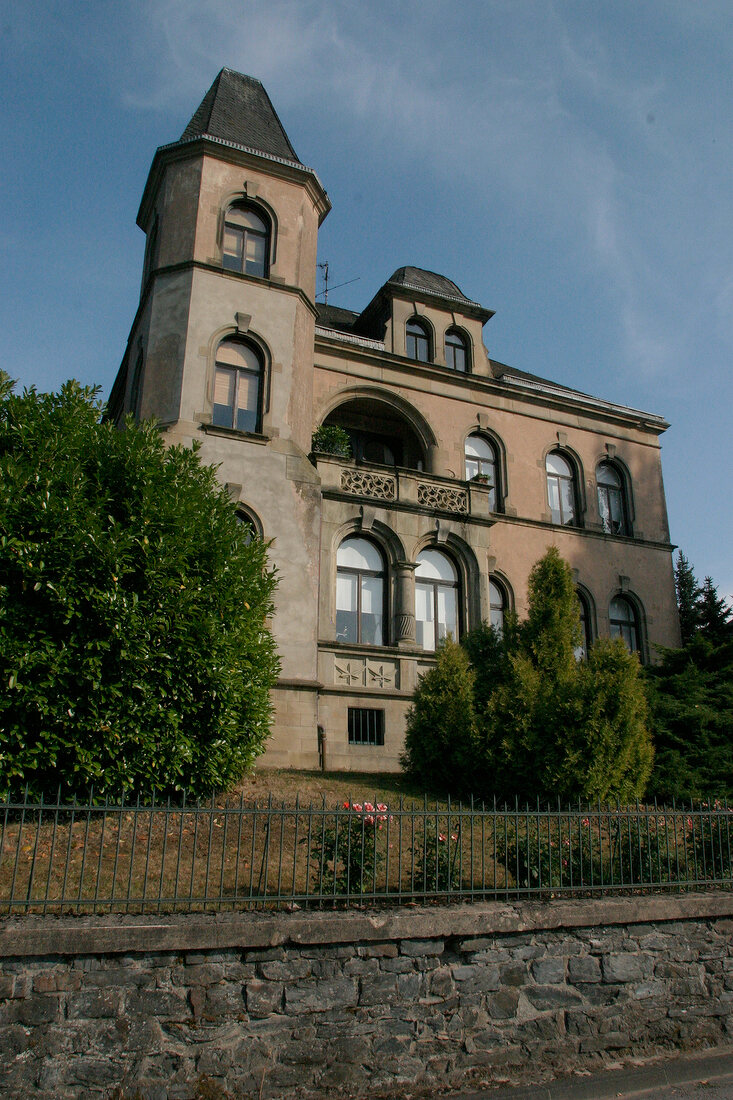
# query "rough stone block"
(321, 996)
(422, 947)
(378, 990)
(503, 1006)
(95, 1004)
(622, 967)
(584, 968)
(378, 951)
(514, 974)
(550, 971)
(263, 998)
(551, 996)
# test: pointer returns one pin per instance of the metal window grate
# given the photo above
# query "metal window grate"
(366, 726)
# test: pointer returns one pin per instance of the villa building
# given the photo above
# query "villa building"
(462, 470)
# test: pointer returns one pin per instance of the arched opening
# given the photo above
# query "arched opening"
(360, 592)
(379, 433)
(624, 623)
(437, 599)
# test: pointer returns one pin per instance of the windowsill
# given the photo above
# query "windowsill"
(235, 433)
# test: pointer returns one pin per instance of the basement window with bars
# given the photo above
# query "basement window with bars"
(366, 726)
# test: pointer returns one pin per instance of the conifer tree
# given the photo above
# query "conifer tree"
(714, 614)
(440, 740)
(688, 594)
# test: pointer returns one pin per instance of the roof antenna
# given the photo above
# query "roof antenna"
(324, 292)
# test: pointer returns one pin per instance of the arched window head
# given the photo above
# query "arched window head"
(136, 385)
(624, 622)
(237, 386)
(417, 341)
(246, 245)
(436, 599)
(561, 489)
(611, 500)
(498, 604)
(581, 651)
(251, 528)
(456, 350)
(359, 592)
(482, 465)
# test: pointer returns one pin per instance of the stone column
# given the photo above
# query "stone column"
(404, 616)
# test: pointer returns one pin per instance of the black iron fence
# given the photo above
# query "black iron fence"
(128, 856)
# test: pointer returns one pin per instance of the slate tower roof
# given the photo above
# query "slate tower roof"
(237, 109)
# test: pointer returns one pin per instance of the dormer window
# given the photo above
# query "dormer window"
(246, 241)
(456, 351)
(417, 341)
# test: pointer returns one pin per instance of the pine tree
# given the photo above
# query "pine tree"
(714, 614)
(688, 594)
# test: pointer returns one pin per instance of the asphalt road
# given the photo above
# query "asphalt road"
(705, 1075)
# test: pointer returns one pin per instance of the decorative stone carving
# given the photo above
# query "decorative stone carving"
(364, 484)
(405, 627)
(442, 498)
(350, 672)
(381, 674)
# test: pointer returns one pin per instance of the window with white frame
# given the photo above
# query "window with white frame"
(482, 465)
(246, 242)
(238, 386)
(561, 489)
(360, 590)
(436, 599)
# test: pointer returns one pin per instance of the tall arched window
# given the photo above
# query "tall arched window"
(436, 598)
(136, 385)
(456, 350)
(625, 623)
(417, 341)
(497, 605)
(561, 489)
(611, 500)
(359, 592)
(246, 243)
(581, 652)
(482, 465)
(237, 386)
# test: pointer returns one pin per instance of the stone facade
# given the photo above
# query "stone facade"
(357, 1004)
(412, 383)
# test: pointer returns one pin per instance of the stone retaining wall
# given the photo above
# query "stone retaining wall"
(311, 1005)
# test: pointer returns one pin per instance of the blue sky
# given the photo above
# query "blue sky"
(567, 163)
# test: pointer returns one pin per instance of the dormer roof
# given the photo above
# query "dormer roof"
(237, 109)
(416, 278)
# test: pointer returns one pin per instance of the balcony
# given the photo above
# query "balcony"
(405, 490)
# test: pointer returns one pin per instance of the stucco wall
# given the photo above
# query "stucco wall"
(324, 1004)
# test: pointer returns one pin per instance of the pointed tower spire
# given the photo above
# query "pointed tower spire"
(237, 109)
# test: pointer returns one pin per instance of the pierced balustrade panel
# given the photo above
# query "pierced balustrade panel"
(364, 484)
(443, 498)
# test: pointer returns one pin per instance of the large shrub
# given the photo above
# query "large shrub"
(560, 727)
(440, 738)
(134, 647)
(521, 715)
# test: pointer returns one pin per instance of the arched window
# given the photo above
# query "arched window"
(625, 623)
(250, 525)
(561, 489)
(611, 500)
(482, 465)
(136, 385)
(436, 598)
(581, 652)
(246, 245)
(497, 605)
(359, 592)
(237, 386)
(417, 341)
(456, 350)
